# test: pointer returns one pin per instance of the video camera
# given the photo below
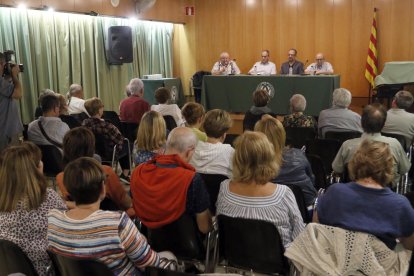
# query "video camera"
(8, 55)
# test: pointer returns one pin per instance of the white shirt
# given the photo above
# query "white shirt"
(326, 67)
(266, 69)
(169, 109)
(211, 158)
(76, 105)
(230, 69)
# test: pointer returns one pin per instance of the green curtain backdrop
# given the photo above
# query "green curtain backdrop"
(58, 49)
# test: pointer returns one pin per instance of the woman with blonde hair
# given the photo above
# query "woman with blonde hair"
(25, 202)
(151, 137)
(295, 168)
(250, 194)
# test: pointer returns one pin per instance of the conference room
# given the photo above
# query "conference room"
(280, 70)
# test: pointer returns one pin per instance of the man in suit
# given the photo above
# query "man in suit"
(292, 66)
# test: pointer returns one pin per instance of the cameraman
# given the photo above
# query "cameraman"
(10, 90)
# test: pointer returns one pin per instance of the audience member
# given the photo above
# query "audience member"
(25, 201)
(132, 108)
(89, 233)
(399, 121)
(212, 156)
(193, 114)
(366, 204)
(251, 195)
(163, 96)
(320, 67)
(339, 117)
(372, 121)
(295, 168)
(76, 102)
(292, 66)
(74, 148)
(44, 92)
(263, 67)
(10, 90)
(49, 128)
(260, 100)
(151, 137)
(166, 187)
(71, 121)
(297, 118)
(225, 66)
(110, 133)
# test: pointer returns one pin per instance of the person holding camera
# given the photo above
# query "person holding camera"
(10, 90)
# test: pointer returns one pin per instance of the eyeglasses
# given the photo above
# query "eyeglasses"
(264, 56)
(319, 59)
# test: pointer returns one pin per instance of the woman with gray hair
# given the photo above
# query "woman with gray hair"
(297, 118)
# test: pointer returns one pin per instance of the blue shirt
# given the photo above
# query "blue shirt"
(379, 212)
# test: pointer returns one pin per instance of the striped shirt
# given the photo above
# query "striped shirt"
(109, 237)
(280, 208)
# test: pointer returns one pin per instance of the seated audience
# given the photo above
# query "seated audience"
(225, 66)
(90, 233)
(250, 194)
(76, 102)
(166, 187)
(372, 121)
(49, 128)
(339, 117)
(260, 100)
(71, 121)
(132, 108)
(151, 137)
(297, 118)
(212, 156)
(295, 168)
(320, 66)
(163, 96)
(44, 92)
(111, 133)
(366, 204)
(74, 148)
(193, 114)
(25, 202)
(399, 121)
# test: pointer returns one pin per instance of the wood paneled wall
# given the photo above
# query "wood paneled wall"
(338, 28)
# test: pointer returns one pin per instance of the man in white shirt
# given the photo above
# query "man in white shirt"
(398, 120)
(320, 67)
(53, 127)
(76, 103)
(225, 66)
(263, 67)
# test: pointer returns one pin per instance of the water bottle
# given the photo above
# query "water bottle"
(255, 70)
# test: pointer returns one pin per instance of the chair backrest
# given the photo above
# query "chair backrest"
(71, 121)
(326, 149)
(102, 147)
(212, 183)
(252, 245)
(14, 260)
(197, 79)
(52, 159)
(129, 130)
(80, 116)
(300, 200)
(342, 136)
(318, 170)
(170, 122)
(181, 237)
(112, 117)
(68, 266)
(299, 136)
(399, 137)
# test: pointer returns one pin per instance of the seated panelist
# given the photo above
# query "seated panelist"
(263, 67)
(225, 66)
(320, 67)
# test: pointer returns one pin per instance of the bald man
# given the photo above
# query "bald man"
(225, 66)
(320, 67)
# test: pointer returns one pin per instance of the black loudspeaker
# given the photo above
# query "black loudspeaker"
(119, 45)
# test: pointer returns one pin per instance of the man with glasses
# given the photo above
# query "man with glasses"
(320, 67)
(263, 67)
(292, 66)
(225, 66)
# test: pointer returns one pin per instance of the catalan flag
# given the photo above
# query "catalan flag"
(371, 68)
